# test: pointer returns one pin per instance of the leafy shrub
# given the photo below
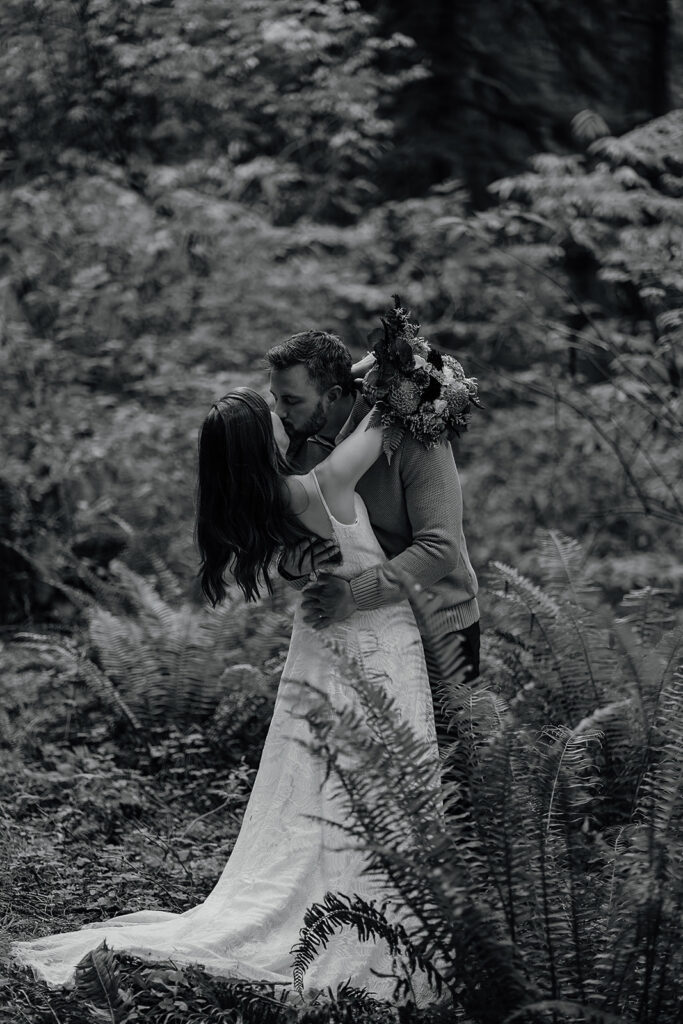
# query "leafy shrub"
(565, 296)
(280, 102)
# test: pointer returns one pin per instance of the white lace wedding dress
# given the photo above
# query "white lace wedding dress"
(284, 858)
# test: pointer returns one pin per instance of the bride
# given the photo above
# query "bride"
(288, 853)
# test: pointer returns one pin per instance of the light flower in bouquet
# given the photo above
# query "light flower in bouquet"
(415, 388)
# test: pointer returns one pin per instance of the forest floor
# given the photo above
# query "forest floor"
(93, 825)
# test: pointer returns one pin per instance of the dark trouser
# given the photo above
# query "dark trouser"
(469, 647)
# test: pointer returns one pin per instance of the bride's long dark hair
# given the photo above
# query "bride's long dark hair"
(243, 515)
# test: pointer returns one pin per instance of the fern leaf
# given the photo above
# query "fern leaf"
(166, 662)
(107, 692)
(561, 560)
(520, 589)
(661, 797)
(98, 981)
(391, 439)
(375, 417)
(66, 653)
(338, 911)
(567, 766)
(648, 613)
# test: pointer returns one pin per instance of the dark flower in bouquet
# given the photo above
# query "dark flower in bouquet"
(415, 388)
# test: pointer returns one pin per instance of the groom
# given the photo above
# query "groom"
(414, 505)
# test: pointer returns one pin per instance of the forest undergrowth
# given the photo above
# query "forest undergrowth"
(551, 891)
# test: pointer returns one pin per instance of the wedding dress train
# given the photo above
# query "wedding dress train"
(285, 857)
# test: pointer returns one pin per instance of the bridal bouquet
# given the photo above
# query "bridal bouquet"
(413, 387)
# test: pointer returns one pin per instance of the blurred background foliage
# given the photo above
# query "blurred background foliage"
(183, 185)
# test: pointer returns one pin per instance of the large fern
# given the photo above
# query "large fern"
(163, 662)
(566, 641)
(385, 779)
(554, 888)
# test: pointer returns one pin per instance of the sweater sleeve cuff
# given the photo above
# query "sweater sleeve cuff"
(365, 590)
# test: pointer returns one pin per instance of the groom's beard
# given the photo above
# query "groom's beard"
(315, 422)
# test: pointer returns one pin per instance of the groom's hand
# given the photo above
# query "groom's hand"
(308, 556)
(329, 600)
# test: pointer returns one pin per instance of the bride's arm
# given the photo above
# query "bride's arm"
(352, 457)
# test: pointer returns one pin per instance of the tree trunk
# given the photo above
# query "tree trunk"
(509, 75)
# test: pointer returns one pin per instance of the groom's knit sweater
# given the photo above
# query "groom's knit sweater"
(415, 508)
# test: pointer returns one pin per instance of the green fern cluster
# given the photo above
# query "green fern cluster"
(561, 658)
(156, 661)
(562, 641)
(538, 896)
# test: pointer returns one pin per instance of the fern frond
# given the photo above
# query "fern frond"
(98, 981)
(66, 653)
(644, 925)
(472, 709)
(587, 126)
(566, 768)
(660, 800)
(562, 562)
(519, 589)
(654, 146)
(641, 956)
(168, 662)
(392, 438)
(338, 911)
(377, 770)
(375, 417)
(158, 664)
(569, 647)
(168, 585)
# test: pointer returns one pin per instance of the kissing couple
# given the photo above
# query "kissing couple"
(349, 516)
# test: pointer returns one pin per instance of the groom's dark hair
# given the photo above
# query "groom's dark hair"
(325, 356)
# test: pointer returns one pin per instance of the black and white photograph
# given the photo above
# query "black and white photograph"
(341, 512)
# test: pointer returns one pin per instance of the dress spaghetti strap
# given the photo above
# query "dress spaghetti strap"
(321, 495)
(333, 519)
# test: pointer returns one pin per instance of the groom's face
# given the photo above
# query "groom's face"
(298, 402)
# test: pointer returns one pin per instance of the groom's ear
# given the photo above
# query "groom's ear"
(333, 394)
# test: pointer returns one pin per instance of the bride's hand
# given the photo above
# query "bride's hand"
(360, 368)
